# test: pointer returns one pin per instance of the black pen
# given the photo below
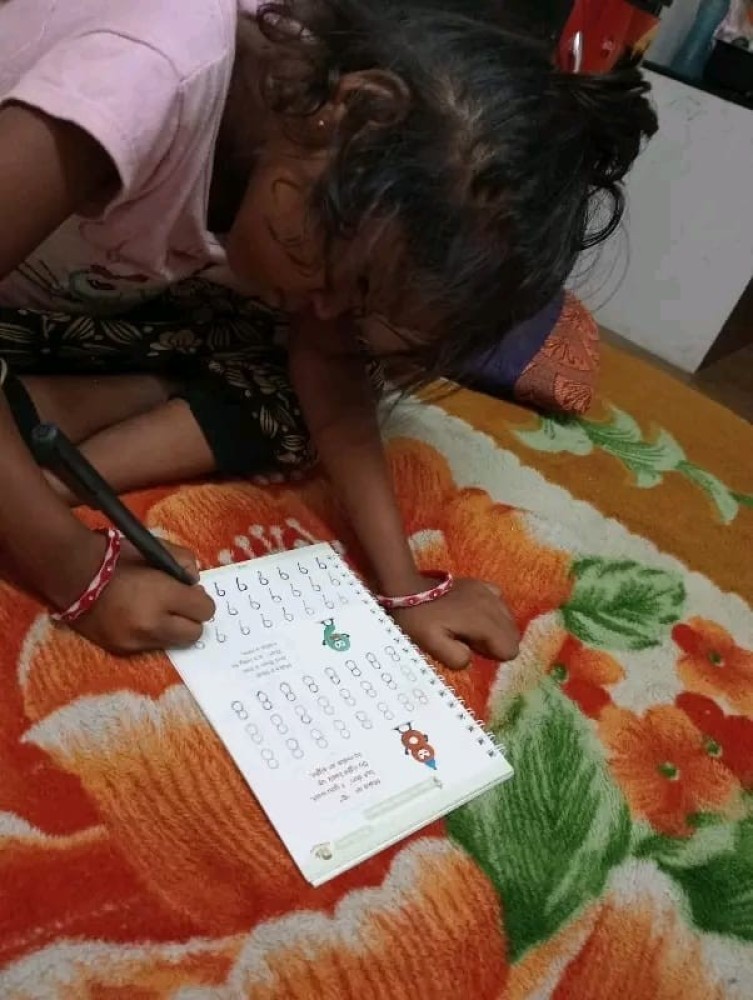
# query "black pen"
(54, 452)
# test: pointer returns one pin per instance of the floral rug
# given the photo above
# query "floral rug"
(135, 864)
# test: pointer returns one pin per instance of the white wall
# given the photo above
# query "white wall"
(688, 252)
(675, 24)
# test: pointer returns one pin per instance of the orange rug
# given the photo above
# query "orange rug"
(135, 864)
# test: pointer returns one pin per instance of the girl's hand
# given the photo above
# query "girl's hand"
(471, 618)
(338, 404)
(143, 609)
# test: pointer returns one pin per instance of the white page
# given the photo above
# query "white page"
(347, 737)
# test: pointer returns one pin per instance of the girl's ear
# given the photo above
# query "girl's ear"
(371, 97)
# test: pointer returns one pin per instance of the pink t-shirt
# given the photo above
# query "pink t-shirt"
(148, 80)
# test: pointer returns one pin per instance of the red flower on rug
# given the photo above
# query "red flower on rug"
(713, 664)
(584, 674)
(728, 737)
(169, 817)
(666, 768)
(633, 943)
(433, 928)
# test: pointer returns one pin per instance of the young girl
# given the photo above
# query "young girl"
(405, 180)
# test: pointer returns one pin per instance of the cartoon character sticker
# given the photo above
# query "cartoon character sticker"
(338, 642)
(417, 745)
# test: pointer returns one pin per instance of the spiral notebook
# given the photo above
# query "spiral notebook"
(345, 734)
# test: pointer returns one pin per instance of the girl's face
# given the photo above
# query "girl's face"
(275, 244)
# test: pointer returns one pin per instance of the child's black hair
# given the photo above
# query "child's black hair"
(498, 168)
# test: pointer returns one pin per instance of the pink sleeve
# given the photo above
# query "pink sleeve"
(124, 93)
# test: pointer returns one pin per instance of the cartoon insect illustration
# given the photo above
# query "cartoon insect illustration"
(339, 642)
(417, 745)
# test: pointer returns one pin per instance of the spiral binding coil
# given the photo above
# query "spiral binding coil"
(493, 747)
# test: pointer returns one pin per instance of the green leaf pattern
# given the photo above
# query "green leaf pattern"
(726, 502)
(648, 461)
(547, 839)
(552, 838)
(557, 435)
(623, 438)
(719, 887)
(622, 606)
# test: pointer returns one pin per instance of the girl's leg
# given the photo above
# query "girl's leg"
(136, 436)
(231, 408)
(154, 448)
(83, 405)
(126, 425)
(241, 421)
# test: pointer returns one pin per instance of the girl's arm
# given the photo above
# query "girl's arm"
(49, 170)
(337, 400)
(338, 403)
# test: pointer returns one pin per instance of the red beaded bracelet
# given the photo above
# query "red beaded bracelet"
(445, 583)
(99, 581)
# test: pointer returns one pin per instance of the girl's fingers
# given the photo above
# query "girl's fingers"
(453, 653)
(190, 603)
(185, 558)
(492, 634)
(501, 644)
(177, 632)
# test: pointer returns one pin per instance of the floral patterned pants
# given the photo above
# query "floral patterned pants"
(227, 352)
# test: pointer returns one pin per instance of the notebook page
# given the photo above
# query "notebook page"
(347, 737)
